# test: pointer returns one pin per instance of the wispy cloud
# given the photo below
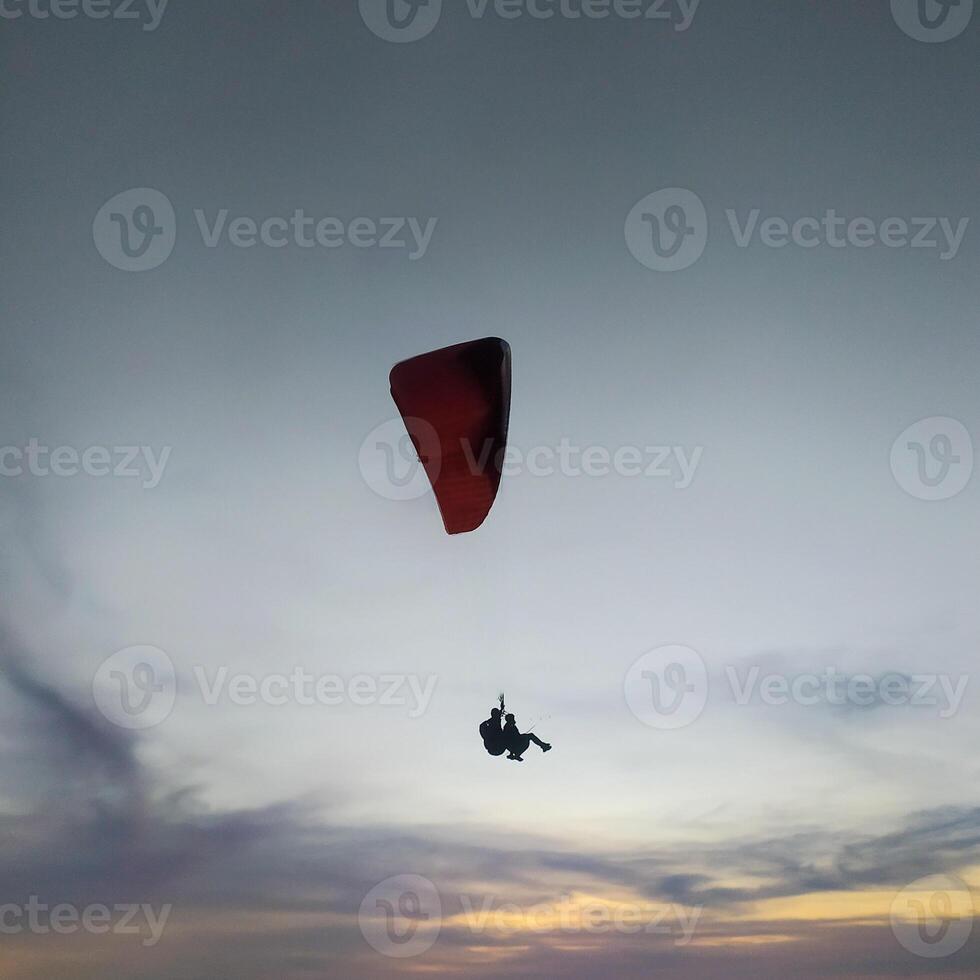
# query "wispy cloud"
(119, 832)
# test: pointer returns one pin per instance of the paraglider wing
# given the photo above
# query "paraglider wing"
(456, 406)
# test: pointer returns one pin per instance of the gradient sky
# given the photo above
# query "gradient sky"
(789, 829)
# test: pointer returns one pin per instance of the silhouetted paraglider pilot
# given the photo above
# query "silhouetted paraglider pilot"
(517, 744)
(497, 740)
(493, 734)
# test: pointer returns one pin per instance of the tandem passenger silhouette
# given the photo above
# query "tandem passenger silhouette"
(508, 738)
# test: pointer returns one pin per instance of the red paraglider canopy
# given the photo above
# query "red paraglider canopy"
(456, 407)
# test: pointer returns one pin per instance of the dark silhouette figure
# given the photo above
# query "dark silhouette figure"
(516, 743)
(492, 734)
